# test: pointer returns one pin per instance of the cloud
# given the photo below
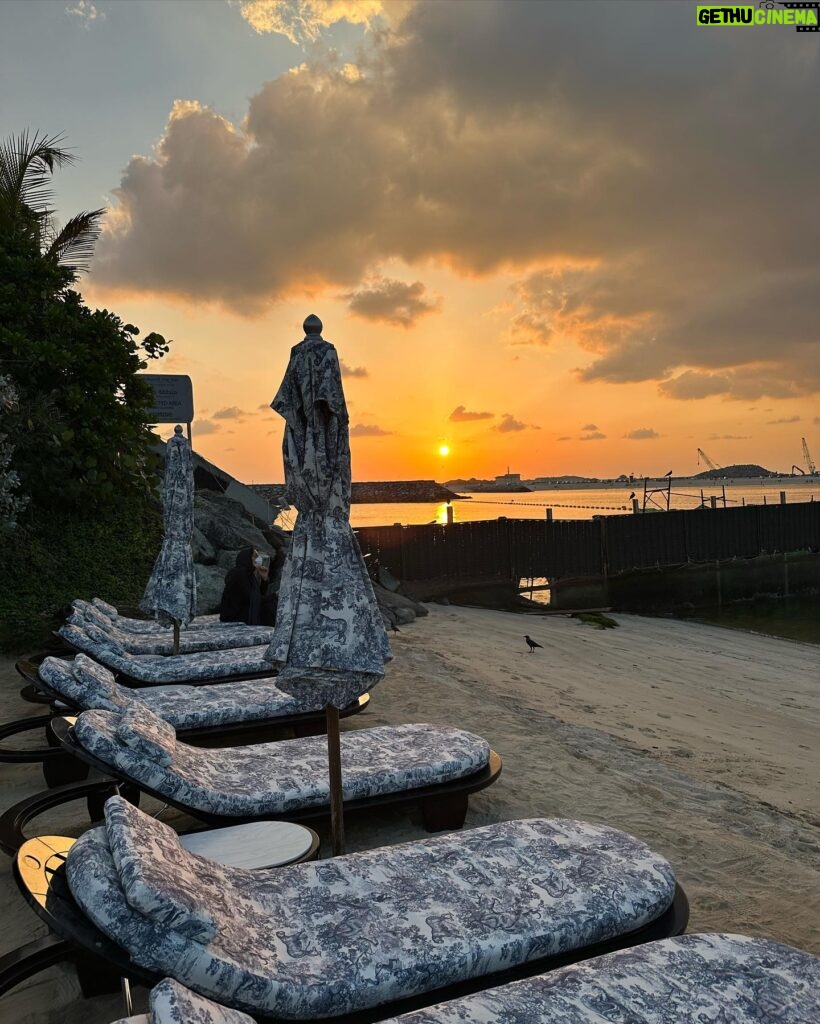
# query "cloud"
(729, 437)
(642, 434)
(508, 424)
(596, 436)
(565, 437)
(264, 407)
(204, 427)
(353, 371)
(86, 11)
(302, 21)
(232, 412)
(393, 302)
(462, 415)
(817, 421)
(783, 419)
(365, 430)
(661, 246)
(590, 426)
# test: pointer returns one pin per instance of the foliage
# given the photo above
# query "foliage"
(59, 557)
(596, 619)
(10, 502)
(26, 165)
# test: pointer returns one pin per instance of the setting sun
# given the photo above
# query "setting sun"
(444, 449)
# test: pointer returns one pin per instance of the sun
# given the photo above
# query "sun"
(444, 450)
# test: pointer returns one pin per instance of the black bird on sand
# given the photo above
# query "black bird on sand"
(532, 644)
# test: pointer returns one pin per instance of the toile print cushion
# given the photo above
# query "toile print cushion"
(101, 637)
(331, 937)
(85, 684)
(151, 625)
(165, 886)
(98, 681)
(148, 735)
(155, 669)
(191, 639)
(692, 979)
(60, 676)
(275, 778)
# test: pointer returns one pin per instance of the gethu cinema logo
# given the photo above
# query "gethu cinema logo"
(803, 17)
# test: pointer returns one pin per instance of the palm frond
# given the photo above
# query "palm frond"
(27, 163)
(73, 246)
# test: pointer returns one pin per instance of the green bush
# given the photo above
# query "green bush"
(56, 558)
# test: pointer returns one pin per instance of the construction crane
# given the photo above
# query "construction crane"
(703, 457)
(810, 466)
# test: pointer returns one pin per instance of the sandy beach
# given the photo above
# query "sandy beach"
(699, 740)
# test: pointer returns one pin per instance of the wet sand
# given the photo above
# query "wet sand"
(700, 740)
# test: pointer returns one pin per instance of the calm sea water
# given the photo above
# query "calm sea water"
(581, 503)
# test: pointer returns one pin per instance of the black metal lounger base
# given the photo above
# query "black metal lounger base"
(42, 881)
(60, 767)
(443, 805)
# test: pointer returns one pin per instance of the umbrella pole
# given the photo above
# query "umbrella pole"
(334, 764)
(176, 637)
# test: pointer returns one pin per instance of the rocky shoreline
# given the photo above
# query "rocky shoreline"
(222, 527)
(376, 492)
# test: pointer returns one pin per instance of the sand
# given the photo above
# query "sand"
(700, 740)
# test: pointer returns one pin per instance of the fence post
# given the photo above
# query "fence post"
(782, 497)
(634, 505)
(549, 515)
(604, 557)
(713, 501)
(449, 514)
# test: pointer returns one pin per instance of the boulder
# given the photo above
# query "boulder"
(226, 524)
(210, 582)
(203, 551)
(226, 559)
(393, 600)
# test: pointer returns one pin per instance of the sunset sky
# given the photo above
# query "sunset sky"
(561, 237)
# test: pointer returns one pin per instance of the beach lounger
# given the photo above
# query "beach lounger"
(191, 641)
(158, 670)
(693, 979)
(363, 931)
(434, 766)
(150, 625)
(223, 714)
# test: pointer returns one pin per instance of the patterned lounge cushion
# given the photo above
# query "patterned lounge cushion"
(157, 880)
(194, 707)
(103, 637)
(147, 735)
(181, 668)
(83, 612)
(172, 1003)
(275, 778)
(107, 609)
(693, 979)
(99, 686)
(59, 675)
(332, 937)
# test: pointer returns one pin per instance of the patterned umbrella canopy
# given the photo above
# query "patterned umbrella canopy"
(329, 640)
(171, 592)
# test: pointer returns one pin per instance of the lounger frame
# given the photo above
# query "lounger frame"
(47, 892)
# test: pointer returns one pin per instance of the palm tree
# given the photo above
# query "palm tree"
(26, 166)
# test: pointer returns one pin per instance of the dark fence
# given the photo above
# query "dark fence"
(524, 548)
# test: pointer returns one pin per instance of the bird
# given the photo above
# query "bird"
(669, 473)
(532, 644)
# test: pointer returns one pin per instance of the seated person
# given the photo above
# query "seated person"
(247, 597)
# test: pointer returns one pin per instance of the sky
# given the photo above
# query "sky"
(564, 237)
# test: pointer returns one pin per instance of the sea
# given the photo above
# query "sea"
(578, 503)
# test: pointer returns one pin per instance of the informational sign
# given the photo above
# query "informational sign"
(173, 398)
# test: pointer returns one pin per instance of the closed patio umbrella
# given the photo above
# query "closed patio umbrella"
(329, 639)
(171, 592)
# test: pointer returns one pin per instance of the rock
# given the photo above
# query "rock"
(389, 599)
(404, 616)
(226, 559)
(203, 551)
(226, 524)
(210, 582)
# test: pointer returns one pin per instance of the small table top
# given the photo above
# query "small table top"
(257, 844)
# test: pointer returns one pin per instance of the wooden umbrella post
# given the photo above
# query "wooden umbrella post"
(176, 637)
(334, 763)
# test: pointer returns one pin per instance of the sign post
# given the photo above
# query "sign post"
(173, 399)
